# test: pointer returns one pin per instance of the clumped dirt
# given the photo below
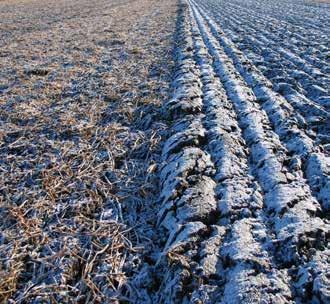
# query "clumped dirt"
(246, 169)
(81, 85)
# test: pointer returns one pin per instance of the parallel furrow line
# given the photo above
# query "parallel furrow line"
(289, 203)
(188, 207)
(261, 8)
(309, 77)
(246, 254)
(283, 119)
(296, 47)
(302, 35)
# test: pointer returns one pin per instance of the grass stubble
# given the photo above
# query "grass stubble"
(81, 87)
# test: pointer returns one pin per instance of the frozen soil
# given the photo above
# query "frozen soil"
(245, 180)
(134, 174)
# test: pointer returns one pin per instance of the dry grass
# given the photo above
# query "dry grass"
(81, 83)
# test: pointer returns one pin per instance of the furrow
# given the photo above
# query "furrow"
(293, 85)
(249, 271)
(298, 36)
(188, 207)
(284, 120)
(260, 23)
(265, 10)
(288, 201)
(305, 81)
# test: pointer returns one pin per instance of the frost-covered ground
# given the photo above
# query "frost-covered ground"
(245, 176)
(81, 88)
(117, 188)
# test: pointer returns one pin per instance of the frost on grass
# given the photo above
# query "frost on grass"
(81, 86)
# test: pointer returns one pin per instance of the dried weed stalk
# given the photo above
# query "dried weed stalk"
(80, 91)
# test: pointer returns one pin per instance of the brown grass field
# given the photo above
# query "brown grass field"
(81, 85)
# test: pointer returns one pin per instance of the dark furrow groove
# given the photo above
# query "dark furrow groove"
(246, 256)
(282, 117)
(300, 208)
